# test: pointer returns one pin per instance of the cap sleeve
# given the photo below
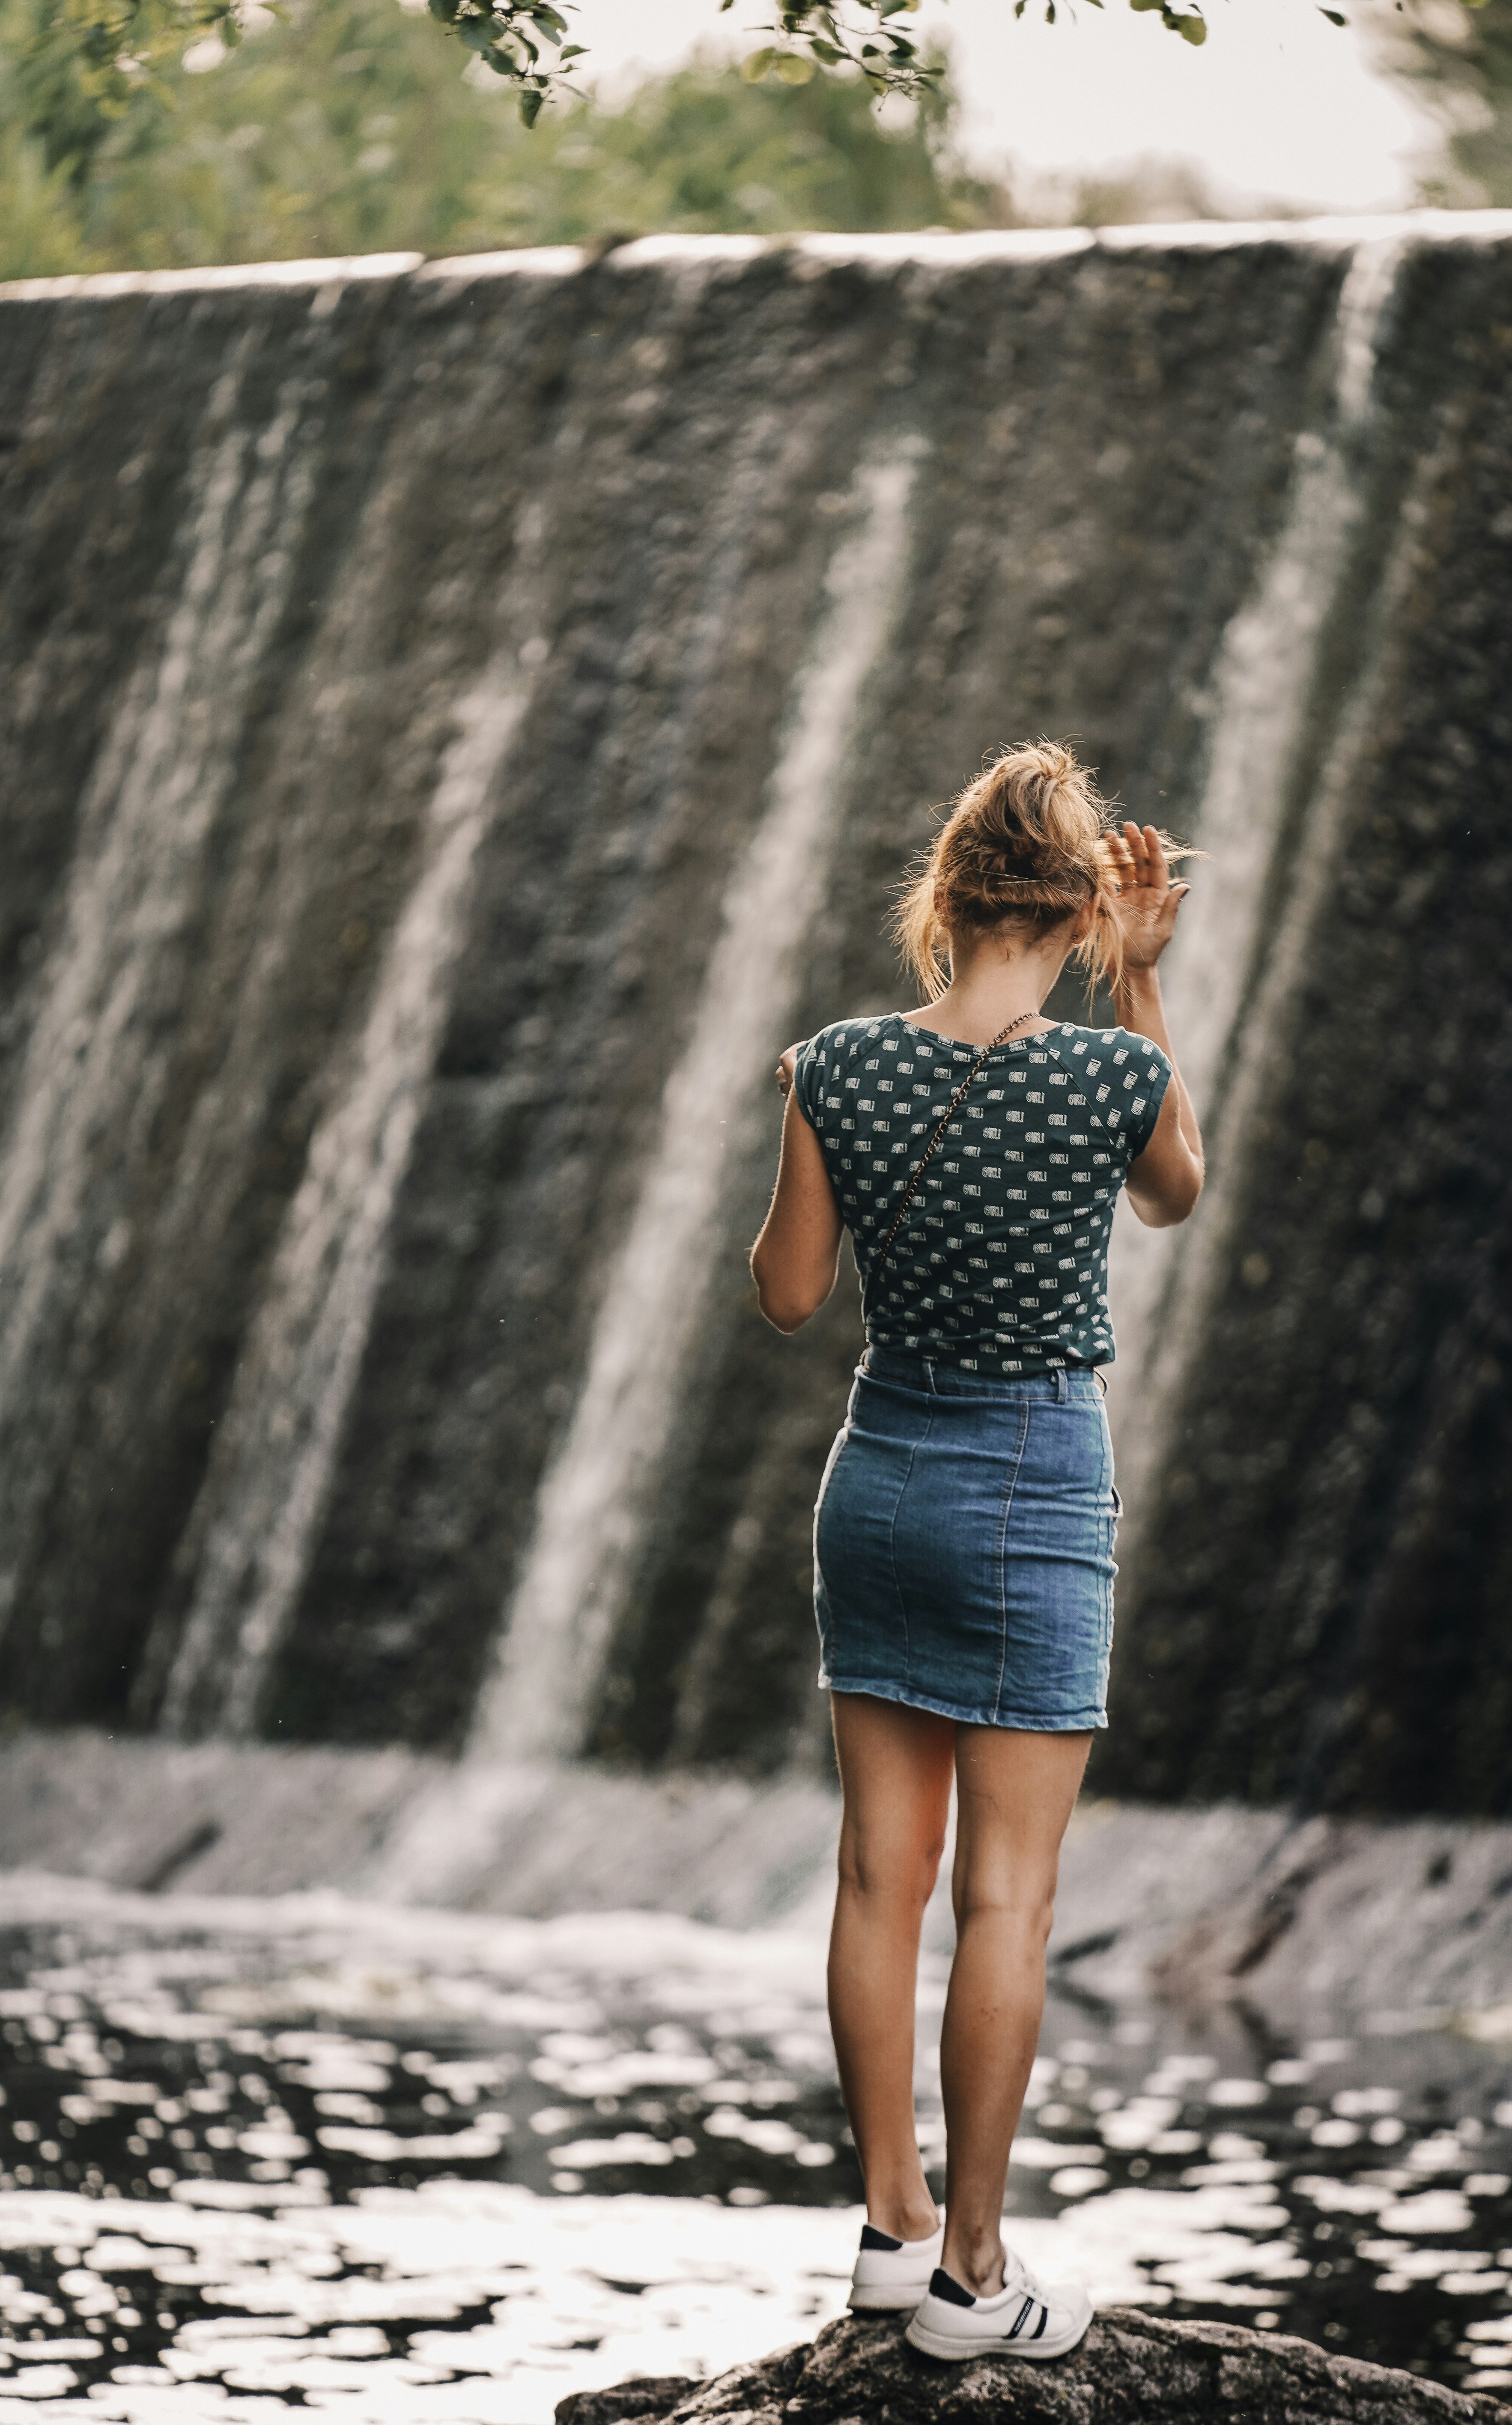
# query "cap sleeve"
(809, 1082)
(1151, 1074)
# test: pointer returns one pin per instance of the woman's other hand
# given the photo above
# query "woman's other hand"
(785, 1070)
(1148, 900)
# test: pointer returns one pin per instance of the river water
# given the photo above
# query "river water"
(414, 2166)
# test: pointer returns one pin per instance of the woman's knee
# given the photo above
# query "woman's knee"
(1024, 1905)
(891, 1864)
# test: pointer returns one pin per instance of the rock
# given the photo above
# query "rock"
(1132, 2369)
(649, 2396)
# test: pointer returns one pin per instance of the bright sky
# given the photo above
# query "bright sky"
(1278, 104)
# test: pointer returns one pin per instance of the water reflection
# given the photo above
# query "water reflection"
(414, 2166)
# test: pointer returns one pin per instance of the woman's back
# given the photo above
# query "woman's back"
(999, 1265)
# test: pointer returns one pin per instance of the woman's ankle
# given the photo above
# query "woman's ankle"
(903, 2214)
(975, 2260)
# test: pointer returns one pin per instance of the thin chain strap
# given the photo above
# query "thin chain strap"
(956, 1103)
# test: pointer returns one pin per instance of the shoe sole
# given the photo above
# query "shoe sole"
(882, 2299)
(947, 2346)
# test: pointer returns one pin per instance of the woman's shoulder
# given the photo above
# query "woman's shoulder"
(851, 1038)
(839, 1056)
(1118, 1046)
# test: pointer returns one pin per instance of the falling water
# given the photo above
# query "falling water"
(593, 1501)
(268, 1478)
(164, 769)
(303, 1386)
(1262, 693)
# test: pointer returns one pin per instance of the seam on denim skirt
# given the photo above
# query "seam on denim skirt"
(837, 1449)
(1003, 1552)
(892, 1546)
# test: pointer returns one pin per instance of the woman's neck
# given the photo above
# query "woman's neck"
(989, 992)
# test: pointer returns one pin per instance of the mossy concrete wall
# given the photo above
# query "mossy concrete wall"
(399, 662)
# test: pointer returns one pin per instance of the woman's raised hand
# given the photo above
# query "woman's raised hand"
(1148, 900)
(785, 1068)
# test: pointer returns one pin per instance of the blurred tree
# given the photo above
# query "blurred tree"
(348, 128)
(111, 45)
(1458, 54)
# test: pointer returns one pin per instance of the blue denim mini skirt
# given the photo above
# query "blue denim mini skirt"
(963, 1544)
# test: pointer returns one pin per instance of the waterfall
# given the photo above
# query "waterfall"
(385, 1045)
(594, 1499)
(275, 1449)
(1262, 691)
(95, 1045)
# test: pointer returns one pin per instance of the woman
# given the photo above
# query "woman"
(963, 1539)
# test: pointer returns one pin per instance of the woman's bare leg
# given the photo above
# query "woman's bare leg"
(1015, 1794)
(896, 1768)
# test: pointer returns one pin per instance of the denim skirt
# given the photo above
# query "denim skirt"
(963, 1544)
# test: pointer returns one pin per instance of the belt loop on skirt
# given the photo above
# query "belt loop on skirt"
(1063, 1387)
(928, 1362)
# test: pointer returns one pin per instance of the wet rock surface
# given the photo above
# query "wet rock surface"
(1131, 2369)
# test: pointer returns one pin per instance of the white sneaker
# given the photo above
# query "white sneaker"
(893, 2273)
(1026, 2318)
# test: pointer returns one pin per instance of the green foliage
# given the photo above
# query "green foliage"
(41, 229)
(1459, 52)
(109, 48)
(349, 128)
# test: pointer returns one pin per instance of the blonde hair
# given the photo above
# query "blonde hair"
(1024, 845)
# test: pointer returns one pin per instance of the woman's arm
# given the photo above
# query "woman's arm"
(797, 1258)
(1165, 1180)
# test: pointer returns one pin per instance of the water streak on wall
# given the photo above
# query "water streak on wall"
(1262, 693)
(595, 1495)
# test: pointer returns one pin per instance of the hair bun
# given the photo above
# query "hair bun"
(1024, 844)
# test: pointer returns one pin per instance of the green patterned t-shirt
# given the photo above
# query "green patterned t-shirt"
(1000, 1266)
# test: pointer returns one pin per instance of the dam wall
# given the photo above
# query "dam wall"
(462, 719)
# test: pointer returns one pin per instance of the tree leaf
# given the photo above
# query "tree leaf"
(792, 67)
(1334, 18)
(530, 102)
(1193, 30)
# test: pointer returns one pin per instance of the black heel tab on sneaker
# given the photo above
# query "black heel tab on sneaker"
(944, 2286)
(872, 2238)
